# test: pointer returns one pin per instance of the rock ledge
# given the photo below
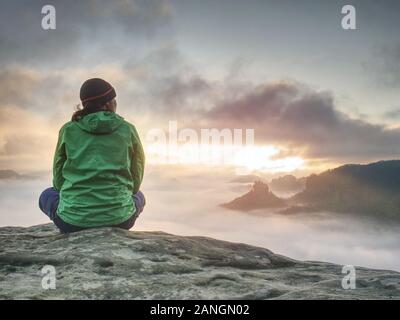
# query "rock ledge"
(109, 263)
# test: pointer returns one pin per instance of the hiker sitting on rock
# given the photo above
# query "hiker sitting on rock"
(98, 166)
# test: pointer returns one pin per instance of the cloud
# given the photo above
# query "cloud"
(282, 113)
(163, 85)
(392, 114)
(167, 85)
(27, 140)
(290, 114)
(27, 133)
(87, 33)
(296, 116)
(43, 93)
(385, 66)
(17, 85)
(179, 95)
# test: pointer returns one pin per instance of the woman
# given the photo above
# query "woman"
(98, 166)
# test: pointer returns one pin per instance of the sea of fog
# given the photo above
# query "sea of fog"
(187, 204)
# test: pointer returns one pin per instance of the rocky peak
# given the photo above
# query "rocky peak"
(110, 263)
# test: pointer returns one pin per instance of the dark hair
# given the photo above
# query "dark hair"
(87, 109)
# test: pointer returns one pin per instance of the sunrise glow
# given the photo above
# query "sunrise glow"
(249, 158)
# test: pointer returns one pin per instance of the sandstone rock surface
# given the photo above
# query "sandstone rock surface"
(109, 263)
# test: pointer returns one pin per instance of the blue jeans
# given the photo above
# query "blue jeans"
(50, 197)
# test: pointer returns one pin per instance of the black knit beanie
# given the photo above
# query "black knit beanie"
(96, 91)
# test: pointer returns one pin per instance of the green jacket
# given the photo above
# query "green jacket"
(98, 165)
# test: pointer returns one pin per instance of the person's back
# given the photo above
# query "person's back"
(98, 166)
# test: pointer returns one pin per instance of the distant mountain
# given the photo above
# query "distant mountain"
(13, 175)
(287, 183)
(9, 174)
(246, 178)
(369, 190)
(372, 189)
(257, 198)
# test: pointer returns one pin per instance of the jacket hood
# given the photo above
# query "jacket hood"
(102, 122)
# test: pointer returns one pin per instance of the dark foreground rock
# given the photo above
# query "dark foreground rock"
(109, 263)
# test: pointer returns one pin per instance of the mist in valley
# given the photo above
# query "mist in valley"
(187, 203)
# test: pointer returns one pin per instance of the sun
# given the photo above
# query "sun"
(249, 158)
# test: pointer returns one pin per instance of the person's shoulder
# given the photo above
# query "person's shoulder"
(132, 130)
(67, 125)
(129, 125)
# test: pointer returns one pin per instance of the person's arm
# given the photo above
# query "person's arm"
(58, 162)
(137, 161)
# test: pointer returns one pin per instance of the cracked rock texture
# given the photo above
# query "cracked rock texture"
(109, 263)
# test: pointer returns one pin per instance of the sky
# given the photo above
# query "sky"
(287, 69)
